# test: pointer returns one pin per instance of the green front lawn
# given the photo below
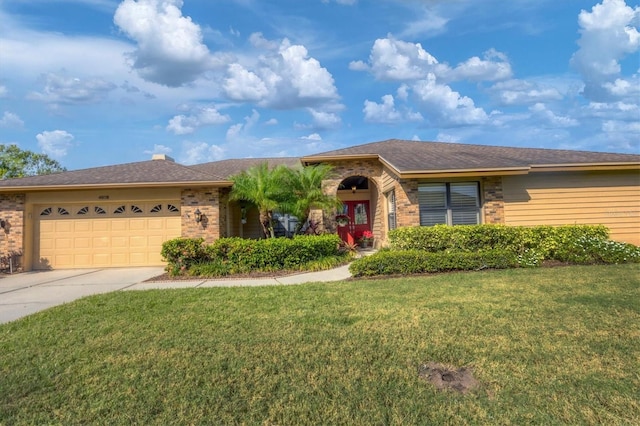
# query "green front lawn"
(548, 346)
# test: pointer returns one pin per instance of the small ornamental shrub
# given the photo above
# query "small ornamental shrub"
(181, 253)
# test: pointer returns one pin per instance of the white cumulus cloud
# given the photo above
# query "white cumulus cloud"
(200, 152)
(397, 60)
(62, 89)
(203, 116)
(285, 79)
(607, 35)
(523, 92)
(170, 50)
(445, 106)
(55, 143)
(11, 120)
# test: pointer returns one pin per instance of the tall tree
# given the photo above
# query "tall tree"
(306, 188)
(263, 187)
(16, 162)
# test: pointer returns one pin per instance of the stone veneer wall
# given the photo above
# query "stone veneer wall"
(12, 208)
(207, 200)
(493, 200)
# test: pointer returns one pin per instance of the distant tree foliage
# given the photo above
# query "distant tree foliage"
(16, 162)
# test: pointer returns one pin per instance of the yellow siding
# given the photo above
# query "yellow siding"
(608, 198)
(388, 181)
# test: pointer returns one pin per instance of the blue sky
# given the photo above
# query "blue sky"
(97, 82)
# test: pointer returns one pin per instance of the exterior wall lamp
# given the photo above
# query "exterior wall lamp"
(198, 215)
(353, 189)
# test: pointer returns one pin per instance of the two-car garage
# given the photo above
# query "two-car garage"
(103, 234)
(85, 235)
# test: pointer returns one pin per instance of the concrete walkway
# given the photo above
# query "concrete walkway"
(29, 292)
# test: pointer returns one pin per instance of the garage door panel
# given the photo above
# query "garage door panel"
(138, 258)
(63, 226)
(82, 235)
(120, 258)
(81, 226)
(156, 224)
(82, 243)
(63, 243)
(47, 243)
(137, 224)
(101, 259)
(137, 242)
(101, 242)
(100, 225)
(119, 225)
(82, 260)
(119, 243)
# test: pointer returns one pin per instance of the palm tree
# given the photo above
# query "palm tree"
(305, 187)
(263, 187)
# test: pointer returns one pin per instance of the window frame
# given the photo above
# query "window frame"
(449, 209)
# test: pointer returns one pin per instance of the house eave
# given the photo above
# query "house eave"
(584, 167)
(322, 158)
(430, 174)
(197, 184)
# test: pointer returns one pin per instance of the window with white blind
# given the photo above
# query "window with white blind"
(391, 205)
(456, 203)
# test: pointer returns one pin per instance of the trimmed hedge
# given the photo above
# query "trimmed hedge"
(458, 248)
(545, 240)
(401, 262)
(239, 255)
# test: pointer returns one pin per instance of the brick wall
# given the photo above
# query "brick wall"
(12, 208)
(371, 169)
(207, 200)
(493, 200)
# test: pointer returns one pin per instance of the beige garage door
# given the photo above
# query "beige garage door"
(103, 235)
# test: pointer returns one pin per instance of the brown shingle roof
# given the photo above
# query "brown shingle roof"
(413, 156)
(151, 172)
(228, 168)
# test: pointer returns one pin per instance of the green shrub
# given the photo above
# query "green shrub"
(403, 262)
(181, 253)
(211, 268)
(543, 240)
(238, 255)
(589, 250)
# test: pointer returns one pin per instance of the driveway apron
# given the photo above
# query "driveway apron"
(26, 293)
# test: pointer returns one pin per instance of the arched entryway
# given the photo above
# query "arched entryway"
(356, 219)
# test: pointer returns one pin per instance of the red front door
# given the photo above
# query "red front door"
(358, 212)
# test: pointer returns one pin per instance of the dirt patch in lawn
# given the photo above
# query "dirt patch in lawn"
(445, 378)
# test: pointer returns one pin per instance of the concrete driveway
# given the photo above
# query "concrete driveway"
(29, 292)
